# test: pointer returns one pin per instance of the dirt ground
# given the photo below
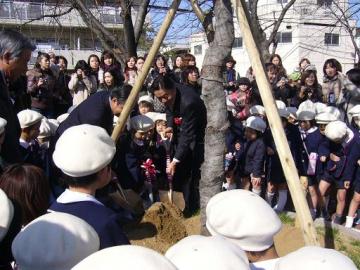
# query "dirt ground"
(163, 225)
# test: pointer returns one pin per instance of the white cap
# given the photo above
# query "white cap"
(320, 107)
(316, 258)
(336, 131)
(255, 122)
(125, 258)
(211, 253)
(45, 129)
(146, 98)
(325, 118)
(6, 214)
(257, 110)
(292, 111)
(156, 116)
(54, 241)
(28, 118)
(333, 110)
(3, 123)
(141, 123)
(54, 124)
(62, 118)
(306, 111)
(354, 111)
(83, 150)
(284, 113)
(280, 104)
(241, 225)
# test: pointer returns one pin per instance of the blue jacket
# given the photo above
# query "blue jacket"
(104, 221)
(312, 142)
(253, 157)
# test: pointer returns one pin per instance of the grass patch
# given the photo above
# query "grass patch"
(285, 219)
(355, 243)
(327, 232)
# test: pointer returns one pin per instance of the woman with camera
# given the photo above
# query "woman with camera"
(309, 89)
(82, 84)
(40, 86)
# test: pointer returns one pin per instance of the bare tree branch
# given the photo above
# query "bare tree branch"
(205, 19)
(100, 31)
(54, 15)
(279, 21)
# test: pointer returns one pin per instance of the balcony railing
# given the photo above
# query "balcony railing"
(25, 11)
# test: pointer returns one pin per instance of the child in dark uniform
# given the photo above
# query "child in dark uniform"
(86, 172)
(355, 202)
(275, 176)
(253, 155)
(30, 122)
(311, 139)
(341, 168)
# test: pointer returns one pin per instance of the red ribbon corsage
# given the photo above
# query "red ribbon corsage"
(177, 121)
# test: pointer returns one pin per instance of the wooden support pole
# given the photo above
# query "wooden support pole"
(282, 146)
(145, 70)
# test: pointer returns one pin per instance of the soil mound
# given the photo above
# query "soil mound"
(168, 221)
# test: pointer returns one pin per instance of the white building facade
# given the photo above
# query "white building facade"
(67, 35)
(309, 30)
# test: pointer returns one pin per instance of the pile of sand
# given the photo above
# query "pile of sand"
(161, 227)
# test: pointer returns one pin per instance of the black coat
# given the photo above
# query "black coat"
(253, 158)
(188, 139)
(95, 110)
(10, 149)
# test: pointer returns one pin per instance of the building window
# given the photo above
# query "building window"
(284, 37)
(324, 2)
(238, 42)
(282, 1)
(331, 39)
(198, 49)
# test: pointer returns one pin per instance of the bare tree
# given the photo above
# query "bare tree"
(220, 38)
(346, 16)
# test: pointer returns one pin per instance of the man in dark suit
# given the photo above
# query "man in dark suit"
(98, 110)
(186, 115)
(15, 53)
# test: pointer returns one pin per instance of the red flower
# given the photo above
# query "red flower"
(177, 121)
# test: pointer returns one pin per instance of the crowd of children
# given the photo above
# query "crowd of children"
(321, 126)
(54, 214)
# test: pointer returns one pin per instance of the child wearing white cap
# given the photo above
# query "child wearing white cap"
(253, 156)
(145, 104)
(54, 241)
(308, 258)
(85, 172)
(211, 253)
(311, 140)
(125, 258)
(30, 122)
(161, 147)
(342, 165)
(3, 123)
(241, 226)
(275, 175)
(133, 152)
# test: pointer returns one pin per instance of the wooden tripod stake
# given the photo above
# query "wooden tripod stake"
(145, 70)
(282, 146)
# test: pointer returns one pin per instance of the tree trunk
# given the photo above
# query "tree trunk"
(129, 35)
(212, 169)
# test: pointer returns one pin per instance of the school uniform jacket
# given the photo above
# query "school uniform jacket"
(105, 222)
(254, 157)
(312, 140)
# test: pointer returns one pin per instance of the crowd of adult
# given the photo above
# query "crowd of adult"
(59, 163)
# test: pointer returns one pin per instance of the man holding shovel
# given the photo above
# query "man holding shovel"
(186, 117)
